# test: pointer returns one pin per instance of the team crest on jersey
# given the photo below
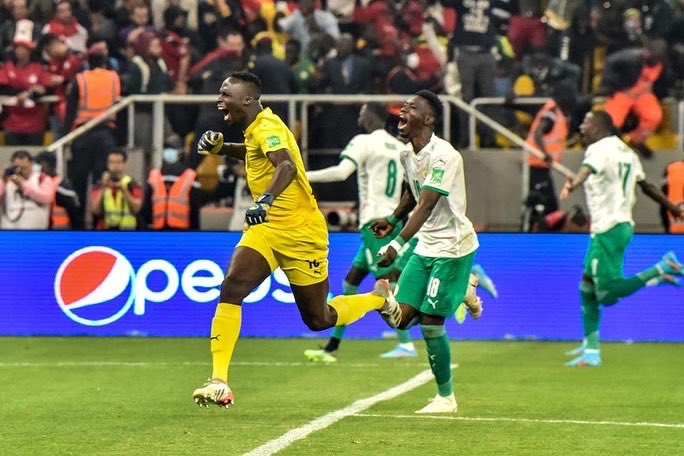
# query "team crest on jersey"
(272, 141)
(437, 175)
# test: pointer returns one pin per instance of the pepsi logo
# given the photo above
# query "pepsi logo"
(94, 286)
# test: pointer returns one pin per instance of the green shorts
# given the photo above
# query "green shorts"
(435, 286)
(366, 258)
(605, 258)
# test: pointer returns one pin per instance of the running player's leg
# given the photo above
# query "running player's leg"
(590, 351)
(446, 288)
(248, 268)
(350, 286)
(405, 347)
(607, 267)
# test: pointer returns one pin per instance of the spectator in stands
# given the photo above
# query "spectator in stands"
(546, 72)
(139, 24)
(215, 16)
(159, 7)
(65, 212)
(25, 195)
(173, 196)
(628, 79)
(345, 73)
(526, 30)
(26, 80)
(308, 25)
(102, 28)
(176, 50)
(18, 10)
(148, 75)
(275, 75)
(675, 37)
(117, 199)
(302, 68)
(92, 92)
(208, 74)
(65, 26)
(548, 134)
(65, 63)
(472, 43)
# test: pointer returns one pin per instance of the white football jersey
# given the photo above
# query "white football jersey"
(610, 189)
(438, 166)
(379, 173)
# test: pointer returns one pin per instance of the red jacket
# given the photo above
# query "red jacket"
(66, 68)
(21, 119)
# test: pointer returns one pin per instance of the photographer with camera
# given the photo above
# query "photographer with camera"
(26, 195)
(117, 200)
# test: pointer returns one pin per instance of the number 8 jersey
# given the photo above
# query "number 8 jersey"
(379, 173)
(610, 190)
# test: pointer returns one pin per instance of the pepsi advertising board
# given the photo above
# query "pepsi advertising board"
(167, 284)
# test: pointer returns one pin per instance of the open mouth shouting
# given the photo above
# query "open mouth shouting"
(227, 116)
(403, 124)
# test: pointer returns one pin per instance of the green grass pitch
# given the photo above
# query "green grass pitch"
(132, 396)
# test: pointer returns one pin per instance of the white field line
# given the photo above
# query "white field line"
(324, 421)
(180, 363)
(526, 420)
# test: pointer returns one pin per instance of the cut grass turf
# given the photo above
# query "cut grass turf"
(54, 403)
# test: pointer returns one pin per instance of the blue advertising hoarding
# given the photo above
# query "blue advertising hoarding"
(166, 284)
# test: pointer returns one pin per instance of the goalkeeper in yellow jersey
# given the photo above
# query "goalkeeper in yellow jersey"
(284, 228)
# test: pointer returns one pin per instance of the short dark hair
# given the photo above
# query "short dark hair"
(377, 109)
(226, 30)
(47, 39)
(48, 157)
(605, 120)
(118, 152)
(21, 154)
(248, 78)
(433, 101)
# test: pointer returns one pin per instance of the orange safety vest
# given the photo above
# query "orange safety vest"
(554, 141)
(675, 192)
(98, 90)
(171, 209)
(59, 218)
(648, 75)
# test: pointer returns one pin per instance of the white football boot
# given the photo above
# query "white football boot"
(215, 391)
(440, 404)
(390, 311)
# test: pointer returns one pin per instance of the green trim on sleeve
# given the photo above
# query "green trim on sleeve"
(435, 189)
(343, 156)
(593, 170)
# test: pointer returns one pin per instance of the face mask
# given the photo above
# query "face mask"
(412, 61)
(170, 156)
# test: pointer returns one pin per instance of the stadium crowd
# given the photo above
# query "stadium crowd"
(89, 53)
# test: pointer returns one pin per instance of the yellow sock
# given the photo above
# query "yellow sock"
(352, 307)
(225, 329)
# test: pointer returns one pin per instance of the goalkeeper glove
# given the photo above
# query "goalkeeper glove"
(210, 143)
(257, 213)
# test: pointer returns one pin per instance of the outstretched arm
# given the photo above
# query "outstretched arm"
(337, 173)
(653, 192)
(571, 184)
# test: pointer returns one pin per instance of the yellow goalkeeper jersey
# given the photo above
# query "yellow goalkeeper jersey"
(295, 206)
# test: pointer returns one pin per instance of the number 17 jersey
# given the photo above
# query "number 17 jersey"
(610, 189)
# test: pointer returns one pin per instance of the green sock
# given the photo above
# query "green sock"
(338, 332)
(591, 317)
(349, 289)
(404, 336)
(648, 274)
(439, 355)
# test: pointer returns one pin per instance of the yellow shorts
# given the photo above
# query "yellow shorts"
(301, 253)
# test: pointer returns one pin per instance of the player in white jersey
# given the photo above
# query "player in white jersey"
(436, 277)
(610, 173)
(375, 157)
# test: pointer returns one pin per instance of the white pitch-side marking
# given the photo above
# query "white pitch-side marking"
(525, 420)
(326, 420)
